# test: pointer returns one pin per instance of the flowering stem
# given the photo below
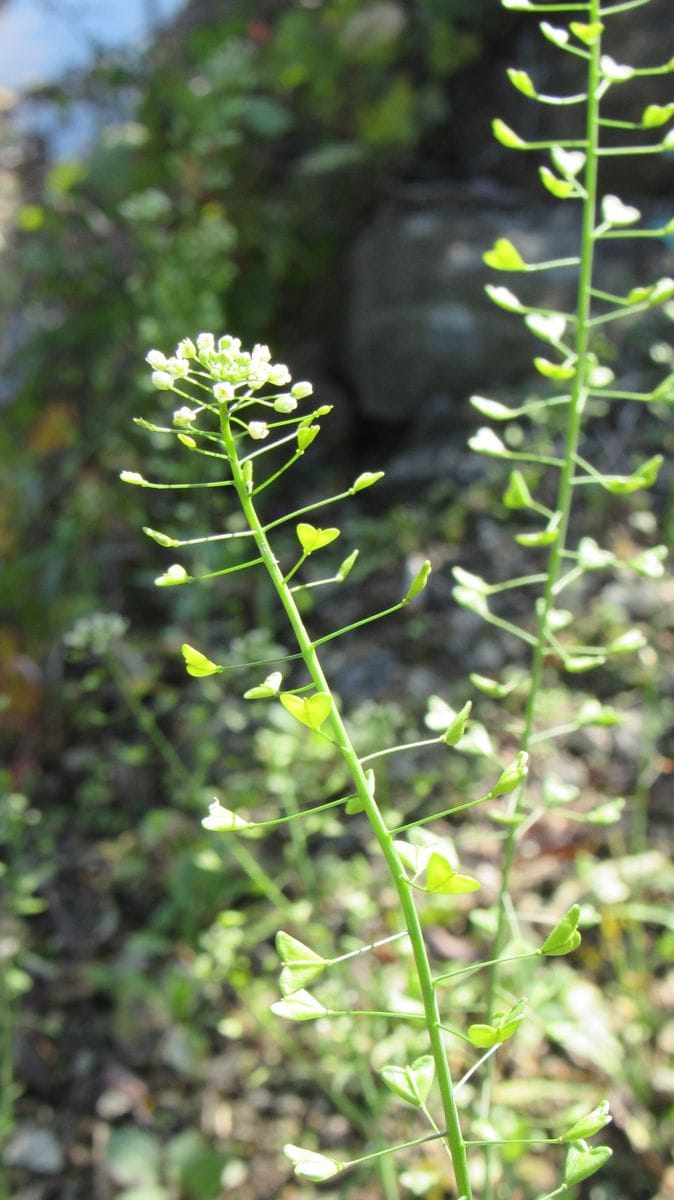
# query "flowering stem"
(453, 1134)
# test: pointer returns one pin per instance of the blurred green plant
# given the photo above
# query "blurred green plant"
(233, 410)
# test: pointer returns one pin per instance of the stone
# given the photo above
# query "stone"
(35, 1150)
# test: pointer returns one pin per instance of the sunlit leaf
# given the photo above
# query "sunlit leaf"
(504, 256)
(301, 1006)
(565, 936)
(442, 879)
(197, 664)
(418, 583)
(585, 1127)
(311, 710)
(581, 1162)
(311, 538)
(300, 964)
(223, 820)
(264, 691)
(309, 1165)
(412, 1083)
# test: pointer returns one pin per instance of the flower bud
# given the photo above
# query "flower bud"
(258, 430)
(286, 403)
(162, 380)
(184, 416)
(223, 392)
(301, 390)
(279, 374)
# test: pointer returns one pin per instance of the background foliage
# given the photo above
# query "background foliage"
(243, 158)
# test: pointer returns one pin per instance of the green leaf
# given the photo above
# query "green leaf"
(491, 687)
(649, 563)
(346, 567)
(615, 72)
(133, 1157)
(522, 82)
(491, 408)
(662, 290)
(366, 480)
(565, 936)
(591, 556)
(585, 1127)
(576, 664)
(471, 599)
(568, 162)
(311, 710)
(443, 880)
(503, 1027)
(301, 1006)
(606, 814)
(504, 257)
(485, 441)
(563, 189)
(656, 114)
(587, 33)
(355, 804)
(300, 963)
(591, 712)
(556, 371)
(544, 538)
(628, 642)
(173, 577)
(513, 775)
(550, 327)
(467, 579)
(418, 583)
(264, 691)
(312, 539)
(504, 298)
(223, 820)
(133, 477)
(506, 136)
(197, 664)
(306, 435)
(456, 729)
(615, 212)
(162, 539)
(309, 1165)
(557, 791)
(517, 494)
(413, 1083)
(554, 33)
(581, 1162)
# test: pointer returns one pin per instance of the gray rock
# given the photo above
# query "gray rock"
(419, 324)
(36, 1150)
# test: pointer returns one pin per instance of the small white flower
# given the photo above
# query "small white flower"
(156, 359)
(162, 380)
(186, 349)
(224, 392)
(279, 374)
(258, 430)
(301, 390)
(286, 403)
(184, 416)
(205, 343)
(178, 367)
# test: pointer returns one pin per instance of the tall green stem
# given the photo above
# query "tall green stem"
(454, 1136)
(579, 392)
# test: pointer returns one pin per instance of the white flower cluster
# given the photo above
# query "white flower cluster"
(229, 366)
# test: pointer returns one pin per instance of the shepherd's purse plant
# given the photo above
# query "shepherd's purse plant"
(240, 410)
